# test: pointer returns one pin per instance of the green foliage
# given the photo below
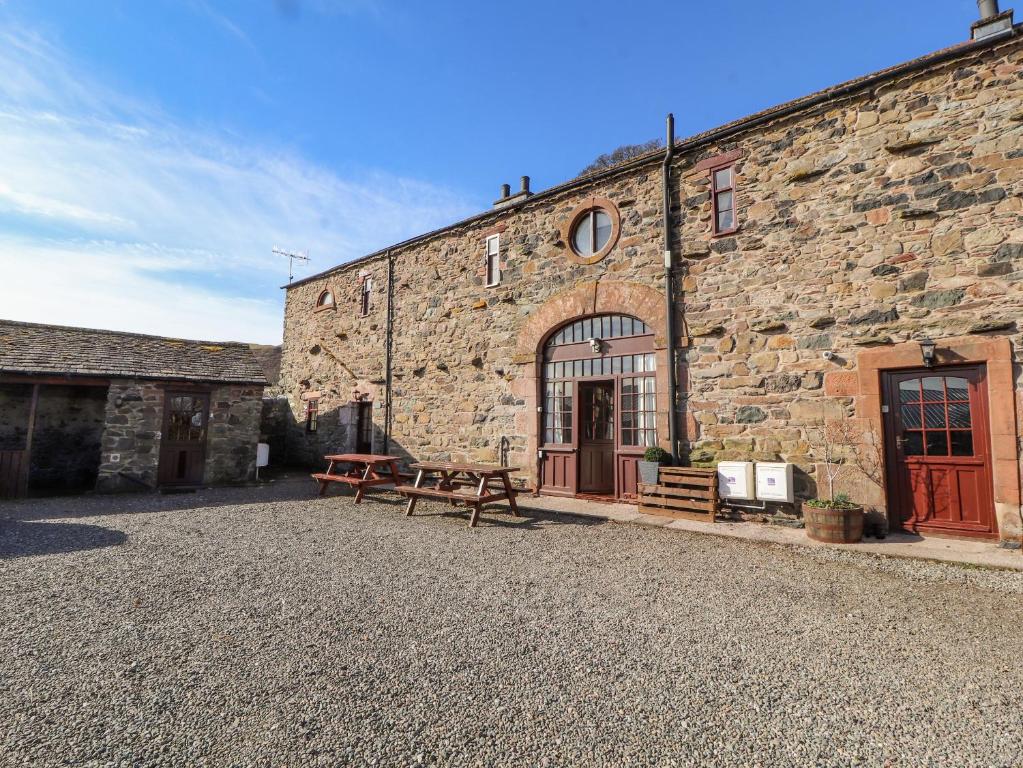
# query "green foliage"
(841, 501)
(620, 155)
(657, 454)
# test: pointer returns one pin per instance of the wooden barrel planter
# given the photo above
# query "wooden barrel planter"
(834, 526)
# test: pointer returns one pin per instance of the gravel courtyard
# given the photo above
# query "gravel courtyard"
(266, 627)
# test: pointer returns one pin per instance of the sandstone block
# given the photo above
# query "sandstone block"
(841, 384)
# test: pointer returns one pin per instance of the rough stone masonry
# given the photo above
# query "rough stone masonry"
(868, 216)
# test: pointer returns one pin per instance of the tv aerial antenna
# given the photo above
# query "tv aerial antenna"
(292, 256)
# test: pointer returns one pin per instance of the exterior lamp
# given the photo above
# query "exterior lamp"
(927, 347)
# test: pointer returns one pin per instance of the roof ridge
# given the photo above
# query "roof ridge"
(132, 334)
(691, 142)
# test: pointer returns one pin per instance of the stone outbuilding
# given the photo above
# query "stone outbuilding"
(85, 409)
(847, 266)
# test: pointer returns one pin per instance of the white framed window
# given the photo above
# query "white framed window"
(493, 260)
(367, 290)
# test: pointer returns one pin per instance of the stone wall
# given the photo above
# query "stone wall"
(233, 433)
(456, 365)
(873, 221)
(274, 425)
(134, 420)
(15, 400)
(131, 440)
(865, 221)
(66, 438)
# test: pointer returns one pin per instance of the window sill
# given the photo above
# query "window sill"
(492, 285)
(326, 308)
(725, 233)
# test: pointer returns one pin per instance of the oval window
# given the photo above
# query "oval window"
(592, 232)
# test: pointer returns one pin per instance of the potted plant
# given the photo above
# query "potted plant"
(835, 518)
(653, 459)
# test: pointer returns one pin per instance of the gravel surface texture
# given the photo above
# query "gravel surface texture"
(267, 627)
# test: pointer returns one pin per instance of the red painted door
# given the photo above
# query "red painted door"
(596, 438)
(938, 448)
(559, 469)
(183, 443)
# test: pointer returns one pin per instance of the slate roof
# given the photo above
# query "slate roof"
(54, 350)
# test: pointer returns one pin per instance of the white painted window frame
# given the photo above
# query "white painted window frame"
(496, 239)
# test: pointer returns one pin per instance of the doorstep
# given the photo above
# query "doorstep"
(984, 554)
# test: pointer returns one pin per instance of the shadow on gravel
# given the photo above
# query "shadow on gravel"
(97, 505)
(20, 539)
(500, 517)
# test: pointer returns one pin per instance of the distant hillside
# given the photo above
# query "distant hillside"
(269, 357)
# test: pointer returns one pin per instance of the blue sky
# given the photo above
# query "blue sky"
(154, 151)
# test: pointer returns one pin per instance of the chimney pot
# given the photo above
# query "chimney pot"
(992, 21)
(525, 183)
(505, 191)
(988, 8)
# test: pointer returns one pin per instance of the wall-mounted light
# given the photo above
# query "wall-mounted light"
(927, 347)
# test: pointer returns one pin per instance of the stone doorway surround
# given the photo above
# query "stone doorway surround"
(584, 299)
(864, 386)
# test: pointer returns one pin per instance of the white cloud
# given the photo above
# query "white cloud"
(128, 219)
(96, 284)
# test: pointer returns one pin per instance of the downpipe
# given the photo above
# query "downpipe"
(388, 353)
(669, 292)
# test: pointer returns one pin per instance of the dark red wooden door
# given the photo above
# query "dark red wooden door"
(364, 428)
(939, 462)
(596, 438)
(183, 443)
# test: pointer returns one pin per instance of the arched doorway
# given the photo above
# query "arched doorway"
(599, 405)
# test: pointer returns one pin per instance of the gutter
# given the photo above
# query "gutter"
(708, 137)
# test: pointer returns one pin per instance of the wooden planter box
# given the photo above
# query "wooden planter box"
(681, 492)
(834, 526)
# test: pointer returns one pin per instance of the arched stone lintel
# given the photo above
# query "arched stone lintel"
(592, 298)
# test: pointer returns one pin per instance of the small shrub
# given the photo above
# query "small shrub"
(657, 454)
(622, 154)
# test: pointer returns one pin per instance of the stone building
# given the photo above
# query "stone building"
(83, 409)
(812, 248)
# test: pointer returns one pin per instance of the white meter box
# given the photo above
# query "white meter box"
(735, 479)
(774, 482)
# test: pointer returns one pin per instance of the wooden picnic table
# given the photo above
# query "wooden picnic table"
(364, 470)
(460, 483)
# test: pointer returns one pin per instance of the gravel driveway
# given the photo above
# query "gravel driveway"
(267, 627)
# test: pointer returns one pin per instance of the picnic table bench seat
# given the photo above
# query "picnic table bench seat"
(463, 493)
(366, 470)
(460, 482)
